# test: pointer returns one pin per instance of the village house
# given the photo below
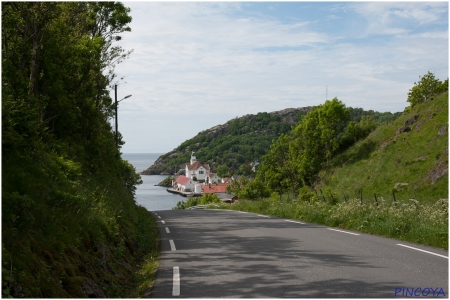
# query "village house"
(212, 178)
(196, 170)
(226, 180)
(220, 190)
(183, 184)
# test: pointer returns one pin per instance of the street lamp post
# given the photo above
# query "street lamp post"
(117, 105)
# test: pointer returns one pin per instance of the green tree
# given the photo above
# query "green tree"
(255, 189)
(427, 87)
(277, 169)
(317, 138)
(222, 171)
(295, 160)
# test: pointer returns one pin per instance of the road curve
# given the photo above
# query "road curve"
(221, 253)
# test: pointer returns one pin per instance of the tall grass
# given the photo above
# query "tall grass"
(407, 220)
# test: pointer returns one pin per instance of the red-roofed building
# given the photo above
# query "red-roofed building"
(183, 184)
(214, 188)
(220, 190)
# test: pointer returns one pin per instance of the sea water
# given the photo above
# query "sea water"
(147, 194)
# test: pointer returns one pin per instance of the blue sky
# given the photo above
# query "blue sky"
(199, 64)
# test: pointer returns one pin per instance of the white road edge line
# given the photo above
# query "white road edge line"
(263, 216)
(295, 222)
(242, 212)
(176, 281)
(163, 222)
(423, 251)
(167, 230)
(172, 245)
(343, 231)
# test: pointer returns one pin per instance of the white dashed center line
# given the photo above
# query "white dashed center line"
(163, 222)
(294, 222)
(167, 230)
(343, 231)
(159, 217)
(176, 281)
(172, 245)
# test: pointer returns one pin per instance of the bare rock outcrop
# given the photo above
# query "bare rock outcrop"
(439, 171)
(443, 130)
(403, 129)
(412, 120)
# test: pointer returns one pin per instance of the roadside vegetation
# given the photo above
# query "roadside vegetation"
(194, 201)
(407, 220)
(70, 225)
(388, 179)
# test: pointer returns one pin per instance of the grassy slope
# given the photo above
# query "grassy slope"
(376, 169)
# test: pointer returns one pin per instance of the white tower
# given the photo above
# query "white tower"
(193, 159)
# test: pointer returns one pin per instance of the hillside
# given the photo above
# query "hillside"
(393, 182)
(242, 140)
(408, 156)
(238, 141)
(71, 227)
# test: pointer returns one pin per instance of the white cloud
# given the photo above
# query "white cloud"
(196, 65)
(383, 16)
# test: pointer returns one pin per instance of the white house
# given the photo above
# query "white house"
(212, 178)
(227, 180)
(183, 184)
(197, 169)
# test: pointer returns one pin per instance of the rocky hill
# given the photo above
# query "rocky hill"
(258, 130)
(241, 141)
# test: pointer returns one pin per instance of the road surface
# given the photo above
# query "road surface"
(221, 253)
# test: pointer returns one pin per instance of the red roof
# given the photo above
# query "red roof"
(182, 179)
(197, 165)
(214, 188)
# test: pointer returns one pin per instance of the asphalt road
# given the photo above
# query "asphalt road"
(220, 253)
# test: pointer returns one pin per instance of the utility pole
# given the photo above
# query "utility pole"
(117, 122)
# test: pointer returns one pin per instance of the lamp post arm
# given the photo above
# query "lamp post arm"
(117, 120)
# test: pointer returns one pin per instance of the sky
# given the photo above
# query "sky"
(196, 65)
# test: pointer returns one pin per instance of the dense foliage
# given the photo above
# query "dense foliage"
(294, 160)
(244, 140)
(70, 225)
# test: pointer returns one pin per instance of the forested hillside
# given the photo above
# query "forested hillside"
(70, 224)
(241, 141)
